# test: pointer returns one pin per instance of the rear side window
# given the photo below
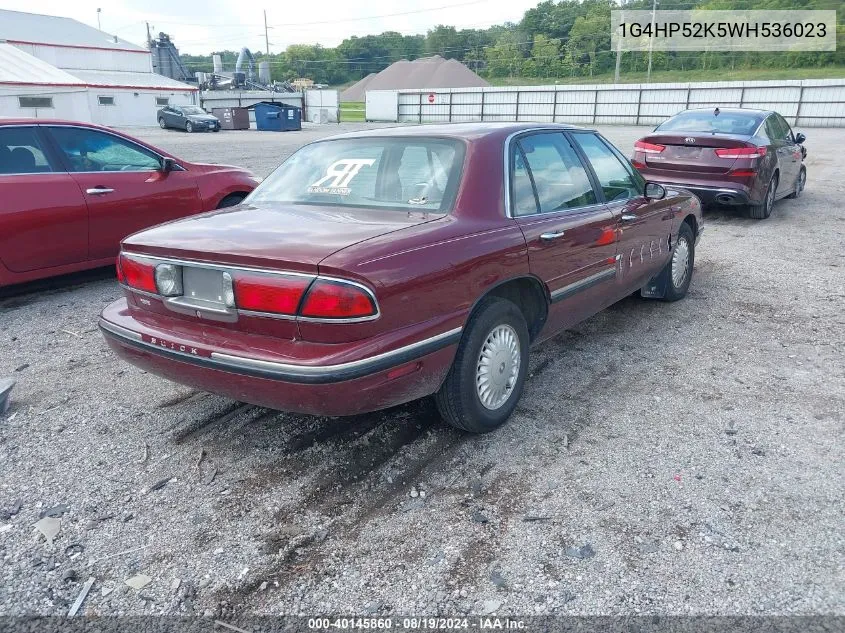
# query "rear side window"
(21, 152)
(559, 177)
(522, 190)
(616, 179)
(390, 173)
(88, 150)
(709, 121)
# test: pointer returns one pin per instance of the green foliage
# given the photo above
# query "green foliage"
(564, 40)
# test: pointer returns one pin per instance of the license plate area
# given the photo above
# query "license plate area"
(203, 285)
(203, 295)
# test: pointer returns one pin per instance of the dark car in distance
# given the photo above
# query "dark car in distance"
(727, 156)
(374, 268)
(190, 118)
(72, 191)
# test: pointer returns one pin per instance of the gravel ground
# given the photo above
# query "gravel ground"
(665, 459)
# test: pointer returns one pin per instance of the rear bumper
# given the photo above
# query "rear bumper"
(368, 384)
(726, 192)
(717, 195)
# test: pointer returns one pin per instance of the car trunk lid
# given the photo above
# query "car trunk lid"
(278, 236)
(693, 152)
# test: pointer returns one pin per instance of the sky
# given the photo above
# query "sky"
(201, 26)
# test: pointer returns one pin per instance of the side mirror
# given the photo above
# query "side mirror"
(653, 191)
(800, 138)
(167, 164)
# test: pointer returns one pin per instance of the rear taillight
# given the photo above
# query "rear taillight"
(120, 278)
(337, 300)
(648, 148)
(275, 294)
(741, 152)
(638, 165)
(136, 274)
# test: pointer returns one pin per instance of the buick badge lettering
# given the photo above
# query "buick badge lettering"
(185, 349)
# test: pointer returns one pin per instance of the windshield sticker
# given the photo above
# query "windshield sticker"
(338, 176)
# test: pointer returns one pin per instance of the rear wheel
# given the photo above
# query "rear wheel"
(189, 127)
(800, 183)
(487, 377)
(161, 123)
(764, 210)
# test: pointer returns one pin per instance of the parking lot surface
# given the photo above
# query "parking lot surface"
(677, 458)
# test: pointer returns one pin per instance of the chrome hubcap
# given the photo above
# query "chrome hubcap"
(802, 180)
(680, 262)
(770, 197)
(498, 367)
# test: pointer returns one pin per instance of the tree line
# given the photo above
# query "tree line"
(569, 38)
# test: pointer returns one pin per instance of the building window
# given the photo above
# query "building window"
(162, 101)
(106, 100)
(35, 102)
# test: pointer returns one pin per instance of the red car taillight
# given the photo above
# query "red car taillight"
(275, 294)
(136, 274)
(120, 278)
(741, 152)
(648, 148)
(337, 300)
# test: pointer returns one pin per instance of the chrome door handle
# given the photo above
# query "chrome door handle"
(629, 218)
(98, 191)
(552, 235)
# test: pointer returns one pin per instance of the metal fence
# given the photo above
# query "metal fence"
(809, 103)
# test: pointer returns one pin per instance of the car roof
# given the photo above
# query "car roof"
(457, 130)
(34, 121)
(722, 110)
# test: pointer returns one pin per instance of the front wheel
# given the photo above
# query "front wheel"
(161, 123)
(800, 183)
(189, 127)
(678, 272)
(487, 377)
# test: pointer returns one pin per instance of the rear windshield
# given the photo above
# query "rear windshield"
(414, 173)
(708, 121)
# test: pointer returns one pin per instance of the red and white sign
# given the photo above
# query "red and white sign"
(431, 97)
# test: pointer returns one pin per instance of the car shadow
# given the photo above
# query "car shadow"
(19, 295)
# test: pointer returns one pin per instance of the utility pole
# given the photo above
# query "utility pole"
(651, 40)
(98, 19)
(149, 39)
(266, 37)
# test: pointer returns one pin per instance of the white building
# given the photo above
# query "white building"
(52, 67)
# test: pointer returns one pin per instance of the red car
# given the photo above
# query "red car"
(375, 268)
(729, 156)
(72, 191)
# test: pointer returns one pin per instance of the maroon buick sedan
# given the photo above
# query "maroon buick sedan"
(72, 191)
(379, 267)
(728, 156)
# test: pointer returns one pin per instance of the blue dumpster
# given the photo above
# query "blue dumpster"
(277, 117)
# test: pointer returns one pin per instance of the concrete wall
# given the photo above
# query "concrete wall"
(808, 103)
(68, 103)
(132, 108)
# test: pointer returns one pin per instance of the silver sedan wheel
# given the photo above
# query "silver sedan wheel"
(498, 367)
(680, 262)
